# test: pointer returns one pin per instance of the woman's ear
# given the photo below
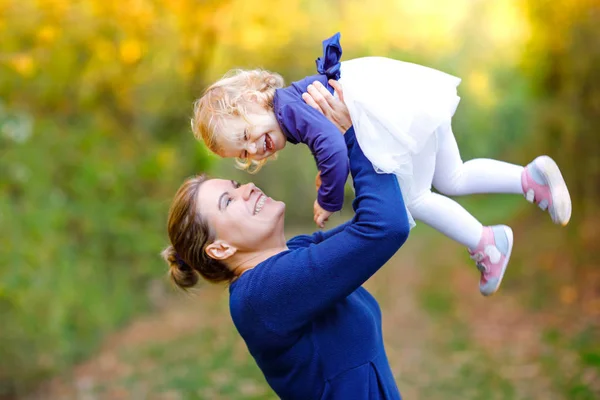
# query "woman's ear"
(220, 250)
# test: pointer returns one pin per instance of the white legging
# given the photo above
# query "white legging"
(440, 163)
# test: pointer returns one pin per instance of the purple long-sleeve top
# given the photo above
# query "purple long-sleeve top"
(303, 124)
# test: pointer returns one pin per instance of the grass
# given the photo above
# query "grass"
(444, 340)
(201, 365)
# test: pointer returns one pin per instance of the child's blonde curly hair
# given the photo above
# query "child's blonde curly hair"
(230, 96)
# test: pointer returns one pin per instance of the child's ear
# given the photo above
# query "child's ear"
(257, 103)
(253, 99)
(220, 250)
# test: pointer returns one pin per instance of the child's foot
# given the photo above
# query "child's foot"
(543, 184)
(491, 256)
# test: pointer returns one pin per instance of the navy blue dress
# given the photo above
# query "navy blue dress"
(312, 328)
(302, 124)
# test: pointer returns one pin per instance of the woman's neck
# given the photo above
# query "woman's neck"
(241, 263)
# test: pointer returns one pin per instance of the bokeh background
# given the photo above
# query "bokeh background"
(95, 102)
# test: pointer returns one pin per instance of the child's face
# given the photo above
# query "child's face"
(260, 136)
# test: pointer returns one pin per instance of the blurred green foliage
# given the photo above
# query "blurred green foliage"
(95, 99)
(563, 66)
(93, 144)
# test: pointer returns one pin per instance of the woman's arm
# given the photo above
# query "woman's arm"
(328, 149)
(317, 237)
(289, 290)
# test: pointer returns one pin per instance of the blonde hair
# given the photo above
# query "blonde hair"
(230, 96)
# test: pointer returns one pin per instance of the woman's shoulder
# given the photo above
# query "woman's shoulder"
(248, 285)
(250, 289)
(249, 296)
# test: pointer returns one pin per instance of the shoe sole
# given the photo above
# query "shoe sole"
(561, 199)
(509, 234)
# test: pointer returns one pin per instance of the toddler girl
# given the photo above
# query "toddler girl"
(401, 113)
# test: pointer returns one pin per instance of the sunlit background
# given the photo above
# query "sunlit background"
(95, 102)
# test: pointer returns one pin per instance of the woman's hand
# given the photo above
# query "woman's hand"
(319, 98)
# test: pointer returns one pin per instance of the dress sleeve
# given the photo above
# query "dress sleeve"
(327, 146)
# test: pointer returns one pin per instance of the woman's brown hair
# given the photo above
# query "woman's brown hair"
(189, 234)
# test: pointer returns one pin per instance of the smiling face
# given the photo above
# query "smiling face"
(255, 137)
(242, 215)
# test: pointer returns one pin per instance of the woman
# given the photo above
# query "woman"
(313, 330)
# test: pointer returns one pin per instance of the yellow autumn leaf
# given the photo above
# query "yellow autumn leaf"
(478, 83)
(23, 64)
(509, 26)
(104, 50)
(47, 34)
(186, 68)
(254, 37)
(130, 51)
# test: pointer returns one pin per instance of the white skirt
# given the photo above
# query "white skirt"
(395, 108)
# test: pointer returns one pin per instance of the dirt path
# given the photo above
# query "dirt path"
(444, 341)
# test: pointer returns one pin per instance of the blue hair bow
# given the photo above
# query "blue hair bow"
(329, 64)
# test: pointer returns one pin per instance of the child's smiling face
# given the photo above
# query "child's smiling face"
(256, 137)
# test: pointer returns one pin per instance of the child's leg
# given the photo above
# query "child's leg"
(541, 181)
(448, 217)
(452, 177)
(439, 212)
(489, 246)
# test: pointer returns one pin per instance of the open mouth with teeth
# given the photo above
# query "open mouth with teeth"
(260, 202)
(268, 144)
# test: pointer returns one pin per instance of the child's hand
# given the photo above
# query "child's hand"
(318, 180)
(321, 215)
